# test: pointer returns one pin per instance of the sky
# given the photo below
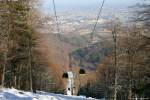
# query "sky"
(67, 4)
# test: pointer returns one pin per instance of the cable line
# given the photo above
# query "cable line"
(98, 16)
(93, 31)
(56, 19)
(59, 32)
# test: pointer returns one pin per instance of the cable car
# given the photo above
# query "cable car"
(65, 75)
(68, 75)
(82, 71)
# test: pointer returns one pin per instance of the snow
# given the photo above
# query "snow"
(14, 94)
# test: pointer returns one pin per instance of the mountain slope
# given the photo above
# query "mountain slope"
(90, 56)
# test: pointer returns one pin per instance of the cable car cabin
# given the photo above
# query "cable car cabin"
(68, 75)
(65, 75)
(82, 71)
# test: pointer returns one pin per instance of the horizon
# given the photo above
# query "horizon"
(80, 4)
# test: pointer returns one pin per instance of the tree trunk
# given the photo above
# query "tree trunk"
(30, 66)
(115, 63)
(4, 69)
(19, 77)
(3, 76)
(130, 94)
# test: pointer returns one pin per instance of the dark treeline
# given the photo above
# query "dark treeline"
(125, 75)
(22, 64)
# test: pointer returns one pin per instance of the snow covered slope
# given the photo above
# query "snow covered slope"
(13, 94)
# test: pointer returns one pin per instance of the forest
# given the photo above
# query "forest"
(30, 62)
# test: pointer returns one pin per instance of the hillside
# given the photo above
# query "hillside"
(90, 56)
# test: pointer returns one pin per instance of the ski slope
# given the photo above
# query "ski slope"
(14, 94)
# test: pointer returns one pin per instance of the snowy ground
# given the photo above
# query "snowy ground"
(13, 94)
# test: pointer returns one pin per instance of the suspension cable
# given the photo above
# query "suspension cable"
(56, 19)
(98, 16)
(94, 28)
(58, 31)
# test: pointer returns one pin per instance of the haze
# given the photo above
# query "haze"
(67, 4)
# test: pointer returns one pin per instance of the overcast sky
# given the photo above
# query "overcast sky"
(60, 4)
